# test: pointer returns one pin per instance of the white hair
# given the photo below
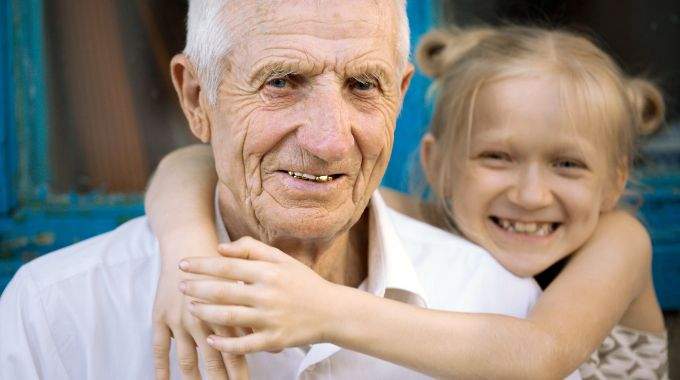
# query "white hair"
(209, 41)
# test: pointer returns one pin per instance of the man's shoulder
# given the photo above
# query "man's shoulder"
(81, 304)
(425, 239)
(460, 275)
(131, 241)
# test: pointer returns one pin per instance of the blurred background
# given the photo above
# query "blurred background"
(87, 110)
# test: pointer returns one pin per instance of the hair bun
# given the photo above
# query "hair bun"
(441, 47)
(648, 105)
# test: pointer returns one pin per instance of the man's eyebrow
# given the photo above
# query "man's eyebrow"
(274, 69)
(370, 72)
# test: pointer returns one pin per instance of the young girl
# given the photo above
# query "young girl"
(528, 153)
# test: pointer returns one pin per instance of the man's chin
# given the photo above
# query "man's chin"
(305, 227)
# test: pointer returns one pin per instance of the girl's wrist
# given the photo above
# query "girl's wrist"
(338, 315)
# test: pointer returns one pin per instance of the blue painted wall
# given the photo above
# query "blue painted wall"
(8, 154)
(415, 114)
(34, 221)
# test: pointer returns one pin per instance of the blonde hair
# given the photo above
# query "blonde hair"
(462, 61)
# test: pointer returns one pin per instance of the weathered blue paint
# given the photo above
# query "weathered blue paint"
(5, 75)
(659, 212)
(41, 222)
(666, 272)
(8, 146)
(31, 98)
(415, 114)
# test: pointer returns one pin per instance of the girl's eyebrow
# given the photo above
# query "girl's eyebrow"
(572, 146)
(582, 150)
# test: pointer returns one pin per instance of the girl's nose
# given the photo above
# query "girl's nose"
(531, 191)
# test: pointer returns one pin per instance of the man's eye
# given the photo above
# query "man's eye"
(361, 85)
(278, 82)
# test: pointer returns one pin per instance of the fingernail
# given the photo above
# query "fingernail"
(183, 265)
(182, 286)
(210, 340)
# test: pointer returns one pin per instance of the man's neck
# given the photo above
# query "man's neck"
(345, 260)
(341, 260)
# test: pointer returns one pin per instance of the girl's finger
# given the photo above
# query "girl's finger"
(219, 292)
(241, 345)
(239, 316)
(226, 268)
(161, 350)
(248, 248)
(186, 355)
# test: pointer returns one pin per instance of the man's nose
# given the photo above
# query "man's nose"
(327, 134)
(531, 190)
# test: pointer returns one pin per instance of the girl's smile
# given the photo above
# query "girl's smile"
(528, 184)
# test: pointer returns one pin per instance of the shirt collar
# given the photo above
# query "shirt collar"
(390, 271)
(222, 234)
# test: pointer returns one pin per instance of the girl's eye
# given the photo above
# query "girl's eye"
(567, 163)
(495, 156)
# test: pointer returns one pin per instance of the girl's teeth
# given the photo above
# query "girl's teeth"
(537, 229)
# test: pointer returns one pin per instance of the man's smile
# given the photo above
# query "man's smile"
(311, 177)
(303, 185)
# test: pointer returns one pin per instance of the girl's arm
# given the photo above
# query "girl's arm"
(180, 198)
(569, 321)
(180, 211)
(567, 324)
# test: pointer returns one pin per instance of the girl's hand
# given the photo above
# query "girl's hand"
(285, 302)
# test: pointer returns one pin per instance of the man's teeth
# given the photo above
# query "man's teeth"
(537, 229)
(311, 177)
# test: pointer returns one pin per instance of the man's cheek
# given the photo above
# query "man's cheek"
(265, 129)
(373, 134)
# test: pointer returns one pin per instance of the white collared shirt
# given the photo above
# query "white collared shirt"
(84, 312)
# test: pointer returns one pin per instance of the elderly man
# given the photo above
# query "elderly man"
(298, 100)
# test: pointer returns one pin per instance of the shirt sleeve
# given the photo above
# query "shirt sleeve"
(27, 350)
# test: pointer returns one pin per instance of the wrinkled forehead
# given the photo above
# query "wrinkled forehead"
(321, 20)
(344, 19)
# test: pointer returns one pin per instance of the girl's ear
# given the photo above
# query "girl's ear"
(615, 191)
(428, 154)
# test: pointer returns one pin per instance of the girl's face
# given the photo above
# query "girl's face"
(528, 186)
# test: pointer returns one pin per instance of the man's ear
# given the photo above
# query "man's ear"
(406, 79)
(615, 191)
(428, 145)
(405, 82)
(190, 94)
